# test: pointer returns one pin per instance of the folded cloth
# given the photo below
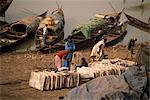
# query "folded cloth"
(63, 68)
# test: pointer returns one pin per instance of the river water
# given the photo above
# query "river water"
(78, 12)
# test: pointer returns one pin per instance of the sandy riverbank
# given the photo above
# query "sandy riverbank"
(15, 71)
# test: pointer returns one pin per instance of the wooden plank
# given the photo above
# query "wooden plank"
(78, 40)
(78, 37)
(14, 36)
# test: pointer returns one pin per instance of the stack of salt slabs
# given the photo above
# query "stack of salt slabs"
(44, 80)
(104, 67)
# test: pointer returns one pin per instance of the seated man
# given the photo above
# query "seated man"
(83, 63)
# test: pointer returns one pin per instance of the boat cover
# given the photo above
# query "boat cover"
(90, 26)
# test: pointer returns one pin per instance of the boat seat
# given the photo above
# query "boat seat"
(51, 37)
(48, 36)
(77, 40)
(4, 40)
(14, 36)
(60, 44)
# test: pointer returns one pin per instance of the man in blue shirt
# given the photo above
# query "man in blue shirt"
(69, 45)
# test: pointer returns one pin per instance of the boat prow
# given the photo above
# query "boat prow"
(138, 24)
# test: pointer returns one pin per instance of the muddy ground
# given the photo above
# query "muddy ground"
(15, 71)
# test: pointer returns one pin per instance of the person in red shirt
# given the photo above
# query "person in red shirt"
(59, 56)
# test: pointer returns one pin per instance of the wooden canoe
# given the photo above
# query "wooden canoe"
(99, 28)
(113, 36)
(115, 39)
(13, 35)
(80, 42)
(138, 24)
(55, 24)
(4, 4)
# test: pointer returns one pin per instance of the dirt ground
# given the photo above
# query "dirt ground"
(15, 69)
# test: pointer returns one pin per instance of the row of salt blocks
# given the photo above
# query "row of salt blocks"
(51, 80)
(113, 69)
(76, 61)
(98, 73)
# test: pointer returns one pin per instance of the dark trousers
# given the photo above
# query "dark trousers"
(44, 39)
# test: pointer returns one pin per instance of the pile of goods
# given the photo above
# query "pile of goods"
(51, 80)
(104, 68)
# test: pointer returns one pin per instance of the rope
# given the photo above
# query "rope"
(27, 13)
(112, 7)
(30, 11)
(9, 18)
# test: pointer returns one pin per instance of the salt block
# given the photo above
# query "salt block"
(37, 80)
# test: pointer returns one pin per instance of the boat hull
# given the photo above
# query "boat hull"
(138, 24)
(89, 43)
(15, 35)
(16, 45)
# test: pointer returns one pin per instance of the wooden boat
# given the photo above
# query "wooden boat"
(82, 41)
(4, 4)
(13, 35)
(55, 24)
(113, 36)
(138, 24)
(115, 39)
